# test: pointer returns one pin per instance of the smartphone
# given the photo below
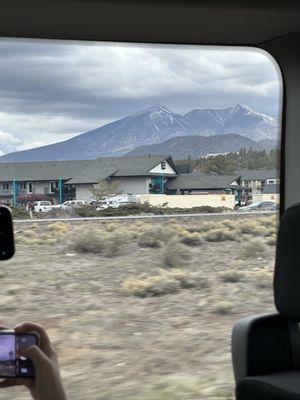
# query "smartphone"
(11, 364)
(7, 245)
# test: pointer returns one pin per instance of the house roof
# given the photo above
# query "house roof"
(117, 167)
(271, 188)
(258, 174)
(41, 171)
(83, 171)
(201, 181)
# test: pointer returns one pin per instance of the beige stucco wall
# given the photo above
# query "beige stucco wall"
(133, 184)
(188, 201)
(83, 192)
(266, 197)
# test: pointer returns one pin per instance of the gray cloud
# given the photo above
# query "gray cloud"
(52, 90)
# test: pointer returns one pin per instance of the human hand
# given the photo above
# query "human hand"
(47, 384)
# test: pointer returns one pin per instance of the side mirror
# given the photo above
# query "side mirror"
(7, 243)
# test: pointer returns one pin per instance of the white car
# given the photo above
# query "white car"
(67, 205)
(260, 205)
(42, 206)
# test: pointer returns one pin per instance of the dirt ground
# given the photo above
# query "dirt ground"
(151, 318)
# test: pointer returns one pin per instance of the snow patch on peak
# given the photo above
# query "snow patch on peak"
(154, 109)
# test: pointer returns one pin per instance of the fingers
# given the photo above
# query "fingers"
(11, 382)
(29, 327)
(37, 356)
(2, 327)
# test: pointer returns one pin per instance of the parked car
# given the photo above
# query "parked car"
(260, 206)
(42, 206)
(70, 204)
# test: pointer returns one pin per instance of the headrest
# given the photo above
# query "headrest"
(287, 266)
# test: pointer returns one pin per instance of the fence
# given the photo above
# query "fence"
(188, 201)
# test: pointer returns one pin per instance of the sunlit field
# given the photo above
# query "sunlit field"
(141, 310)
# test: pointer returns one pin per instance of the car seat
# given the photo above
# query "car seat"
(266, 348)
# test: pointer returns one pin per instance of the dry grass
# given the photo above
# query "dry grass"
(190, 238)
(154, 237)
(232, 276)
(220, 235)
(252, 249)
(175, 254)
(95, 242)
(223, 307)
(163, 283)
(163, 335)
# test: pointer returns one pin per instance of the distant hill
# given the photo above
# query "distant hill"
(154, 125)
(181, 147)
(268, 144)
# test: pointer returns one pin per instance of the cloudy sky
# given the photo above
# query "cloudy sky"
(53, 90)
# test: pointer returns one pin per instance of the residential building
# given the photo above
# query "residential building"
(257, 179)
(270, 192)
(199, 183)
(68, 180)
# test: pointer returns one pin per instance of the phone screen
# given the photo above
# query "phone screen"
(11, 365)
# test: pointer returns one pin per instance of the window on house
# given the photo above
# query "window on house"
(146, 299)
(54, 186)
(23, 185)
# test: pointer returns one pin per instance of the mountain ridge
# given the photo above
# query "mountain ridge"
(195, 146)
(154, 125)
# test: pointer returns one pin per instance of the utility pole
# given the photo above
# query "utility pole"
(60, 186)
(14, 192)
(162, 189)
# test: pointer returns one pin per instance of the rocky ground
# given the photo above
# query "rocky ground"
(141, 310)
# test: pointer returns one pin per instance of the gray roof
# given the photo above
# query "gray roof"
(82, 171)
(118, 166)
(41, 171)
(258, 174)
(201, 181)
(271, 188)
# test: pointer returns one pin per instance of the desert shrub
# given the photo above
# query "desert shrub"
(175, 254)
(19, 212)
(253, 248)
(154, 236)
(227, 223)
(151, 286)
(29, 233)
(264, 279)
(190, 239)
(59, 227)
(223, 307)
(269, 221)
(220, 235)
(202, 227)
(138, 208)
(271, 240)
(111, 226)
(252, 228)
(189, 280)
(87, 211)
(232, 276)
(95, 243)
(164, 283)
(32, 239)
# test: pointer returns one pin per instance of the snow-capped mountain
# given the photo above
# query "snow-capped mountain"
(154, 125)
(240, 119)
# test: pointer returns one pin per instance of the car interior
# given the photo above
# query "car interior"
(265, 347)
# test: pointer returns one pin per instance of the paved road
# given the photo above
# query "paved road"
(133, 217)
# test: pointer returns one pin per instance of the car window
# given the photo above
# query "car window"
(166, 145)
